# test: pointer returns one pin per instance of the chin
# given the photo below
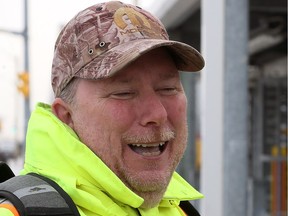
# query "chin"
(151, 199)
(151, 186)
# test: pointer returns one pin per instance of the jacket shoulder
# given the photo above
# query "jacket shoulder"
(33, 194)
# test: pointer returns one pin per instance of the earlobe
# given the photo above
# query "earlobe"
(62, 110)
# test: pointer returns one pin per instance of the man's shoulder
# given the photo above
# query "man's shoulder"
(34, 193)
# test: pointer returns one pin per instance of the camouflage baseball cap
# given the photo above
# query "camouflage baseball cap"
(104, 38)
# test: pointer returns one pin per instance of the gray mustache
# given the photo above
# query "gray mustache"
(150, 137)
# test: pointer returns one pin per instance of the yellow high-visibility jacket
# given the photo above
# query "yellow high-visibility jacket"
(54, 150)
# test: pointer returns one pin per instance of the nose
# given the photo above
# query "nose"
(152, 111)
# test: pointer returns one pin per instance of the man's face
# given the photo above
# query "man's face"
(135, 122)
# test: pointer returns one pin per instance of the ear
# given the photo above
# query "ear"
(62, 110)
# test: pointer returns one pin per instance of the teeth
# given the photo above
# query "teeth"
(148, 145)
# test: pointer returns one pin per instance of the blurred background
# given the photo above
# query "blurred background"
(237, 152)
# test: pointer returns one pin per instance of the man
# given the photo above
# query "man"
(117, 128)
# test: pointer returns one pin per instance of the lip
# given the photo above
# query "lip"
(149, 150)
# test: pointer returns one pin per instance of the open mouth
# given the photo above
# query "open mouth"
(148, 150)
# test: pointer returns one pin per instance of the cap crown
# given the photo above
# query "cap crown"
(92, 33)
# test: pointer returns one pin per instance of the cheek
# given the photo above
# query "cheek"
(177, 109)
(88, 122)
(106, 122)
(121, 113)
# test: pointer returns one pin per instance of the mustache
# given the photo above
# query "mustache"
(150, 136)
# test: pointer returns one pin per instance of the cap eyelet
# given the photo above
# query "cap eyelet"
(99, 8)
(102, 44)
(90, 51)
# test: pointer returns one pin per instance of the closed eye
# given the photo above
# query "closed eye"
(168, 91)
(123, 95)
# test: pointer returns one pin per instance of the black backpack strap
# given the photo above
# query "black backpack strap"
(63, 194)
(188, 208)
(36, 195)
(5, 172)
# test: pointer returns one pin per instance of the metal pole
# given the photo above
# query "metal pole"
(236, 108)
(225, 106)
(26, 63)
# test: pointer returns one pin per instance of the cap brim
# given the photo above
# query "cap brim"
(106, 65)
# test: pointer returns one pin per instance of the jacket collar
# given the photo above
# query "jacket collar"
(54, 150)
